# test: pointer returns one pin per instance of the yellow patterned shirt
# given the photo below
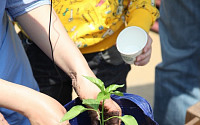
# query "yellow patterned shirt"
(94, 24)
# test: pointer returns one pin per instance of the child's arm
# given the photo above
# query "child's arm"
(142, 13)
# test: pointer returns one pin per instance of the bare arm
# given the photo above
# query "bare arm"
(39, 108)
(66, 54)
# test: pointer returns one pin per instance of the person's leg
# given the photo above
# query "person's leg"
(109, 67)
(177, 81)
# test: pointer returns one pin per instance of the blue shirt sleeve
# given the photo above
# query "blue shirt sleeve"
(18, 7)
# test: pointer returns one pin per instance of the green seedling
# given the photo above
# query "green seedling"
(94, 104)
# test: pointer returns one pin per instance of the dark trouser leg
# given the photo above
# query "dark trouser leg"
(109, 67)
(52, 81)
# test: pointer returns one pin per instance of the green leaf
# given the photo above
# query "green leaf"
(113, 87)
(117, 93)
(128, 120)
(92, 103)
(100, 96)
(73, 112)
(106, 96)
(97, 82)
(103, 96)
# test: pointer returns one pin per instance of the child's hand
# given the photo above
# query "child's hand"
(145, 56)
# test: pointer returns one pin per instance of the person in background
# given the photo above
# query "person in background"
(177, 81)
(94, 27)
(21, 103)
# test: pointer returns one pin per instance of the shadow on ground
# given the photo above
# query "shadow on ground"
(145, 91)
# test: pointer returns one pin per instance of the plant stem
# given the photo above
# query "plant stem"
(98, 113)
(102, 113)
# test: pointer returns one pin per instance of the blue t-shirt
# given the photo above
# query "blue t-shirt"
(14, 64)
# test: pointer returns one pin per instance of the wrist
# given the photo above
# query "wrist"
(84, 88)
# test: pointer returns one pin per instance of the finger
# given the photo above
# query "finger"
(2, 120)
(144, 55)
(148, 45)
(112, 109)
(143, 59)
(118, 107)
(113, 121)
(66, 123)
(143, 62)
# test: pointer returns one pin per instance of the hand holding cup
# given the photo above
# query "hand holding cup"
(134, 45)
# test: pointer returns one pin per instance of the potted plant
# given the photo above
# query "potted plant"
(95, 103)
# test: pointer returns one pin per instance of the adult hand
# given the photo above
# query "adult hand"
(47, 111)
(145, 56)
(2, 120)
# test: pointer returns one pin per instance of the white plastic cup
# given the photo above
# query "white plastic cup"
(130, 43)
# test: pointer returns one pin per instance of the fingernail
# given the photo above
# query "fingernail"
(136, 63)
(138, 59)
(145, 50)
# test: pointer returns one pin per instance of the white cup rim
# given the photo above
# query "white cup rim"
(141, 47)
